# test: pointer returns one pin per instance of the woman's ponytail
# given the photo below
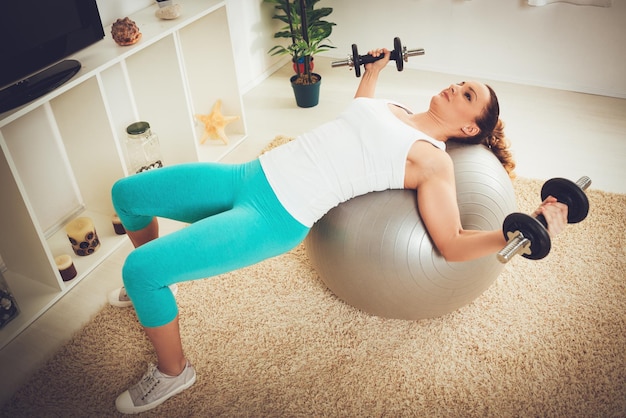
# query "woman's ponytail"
(489, 122)
(501, 148)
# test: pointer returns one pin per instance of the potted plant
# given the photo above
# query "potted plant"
(307, 32)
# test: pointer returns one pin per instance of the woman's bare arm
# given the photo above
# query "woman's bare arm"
(438, 206)
(367, 85)
(436, 198)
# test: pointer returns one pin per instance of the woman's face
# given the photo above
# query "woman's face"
(461, 104)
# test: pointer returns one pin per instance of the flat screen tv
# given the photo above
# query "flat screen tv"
(35, 38)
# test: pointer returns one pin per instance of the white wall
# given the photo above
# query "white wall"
(111, 10)
(579, 48)
(252, 35)
(564, 46)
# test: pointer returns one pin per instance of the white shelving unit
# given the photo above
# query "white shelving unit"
(62, 152)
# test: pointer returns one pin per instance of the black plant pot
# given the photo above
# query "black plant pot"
(307, 95)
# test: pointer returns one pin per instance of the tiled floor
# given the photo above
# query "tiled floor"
(554, 133)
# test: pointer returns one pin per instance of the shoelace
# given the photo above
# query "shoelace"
(148, 382)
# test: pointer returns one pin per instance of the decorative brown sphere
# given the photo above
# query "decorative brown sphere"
(125, 32)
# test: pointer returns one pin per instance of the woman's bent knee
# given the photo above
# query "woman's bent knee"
(137, 273)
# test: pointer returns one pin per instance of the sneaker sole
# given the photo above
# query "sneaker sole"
(144, 408)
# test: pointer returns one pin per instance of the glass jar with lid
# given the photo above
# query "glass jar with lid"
(143, 149)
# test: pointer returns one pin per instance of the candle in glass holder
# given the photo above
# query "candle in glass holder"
(117, 225)
(66, 267)
(82, 235)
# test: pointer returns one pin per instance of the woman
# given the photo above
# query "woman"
(244, 213)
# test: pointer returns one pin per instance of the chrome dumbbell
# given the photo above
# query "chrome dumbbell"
(399, 54)
(528, 235)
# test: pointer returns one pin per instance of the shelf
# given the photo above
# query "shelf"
(215, 150)
(62, 153)
(106, 52)
(34, 298)
(59, 244)
(39, 299)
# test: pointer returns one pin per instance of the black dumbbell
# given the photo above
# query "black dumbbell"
(528, 235)
(399, 54)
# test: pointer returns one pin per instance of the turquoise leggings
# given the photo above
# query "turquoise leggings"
(235, 221)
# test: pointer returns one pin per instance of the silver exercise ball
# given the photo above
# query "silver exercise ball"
(374, 253)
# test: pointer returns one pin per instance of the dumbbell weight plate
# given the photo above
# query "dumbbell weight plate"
(569, 193)
(397, 48)
(533, 230)
(356, 59)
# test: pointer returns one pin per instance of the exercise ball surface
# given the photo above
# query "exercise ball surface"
(374, 252)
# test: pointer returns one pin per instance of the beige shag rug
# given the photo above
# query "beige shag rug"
(548, 339)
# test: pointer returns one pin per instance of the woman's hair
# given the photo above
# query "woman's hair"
(492, 134)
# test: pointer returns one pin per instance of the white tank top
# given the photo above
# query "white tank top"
(363, 150)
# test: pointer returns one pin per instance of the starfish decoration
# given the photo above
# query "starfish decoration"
(214, 123)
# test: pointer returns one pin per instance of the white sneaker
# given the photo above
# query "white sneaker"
(153, 389)
(118, 297)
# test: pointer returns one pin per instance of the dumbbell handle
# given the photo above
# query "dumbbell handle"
(366, 59)
(519, 243)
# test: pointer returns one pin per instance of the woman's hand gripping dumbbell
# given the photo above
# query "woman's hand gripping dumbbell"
(528, 235)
